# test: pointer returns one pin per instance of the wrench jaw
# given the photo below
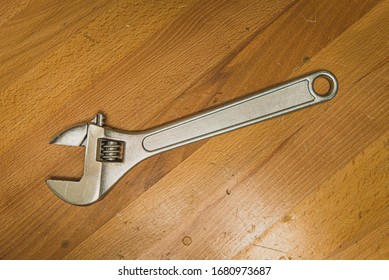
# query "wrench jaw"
(89, 188)
(77, 193)
(109, 154)
(75, 136)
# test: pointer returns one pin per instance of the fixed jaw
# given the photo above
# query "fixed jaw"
(83, 192)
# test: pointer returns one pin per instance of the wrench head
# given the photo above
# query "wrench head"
(90, 188)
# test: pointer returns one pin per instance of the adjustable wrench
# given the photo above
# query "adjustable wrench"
(110, 153)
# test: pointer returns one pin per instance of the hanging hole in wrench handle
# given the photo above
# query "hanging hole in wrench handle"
(257, 107)
(324, 84)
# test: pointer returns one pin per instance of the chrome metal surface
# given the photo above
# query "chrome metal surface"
(110, 153)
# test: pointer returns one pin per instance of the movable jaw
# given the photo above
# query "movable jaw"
(99, 149)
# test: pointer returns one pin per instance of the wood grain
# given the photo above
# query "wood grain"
(309, 185)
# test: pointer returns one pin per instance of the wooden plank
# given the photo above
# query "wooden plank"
(339, 219)
(269, 183)
(28, 106)
(146, 63)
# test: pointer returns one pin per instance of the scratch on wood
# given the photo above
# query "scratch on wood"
(314, 20)
(269, 248)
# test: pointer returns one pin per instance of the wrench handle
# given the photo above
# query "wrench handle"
(285, 98)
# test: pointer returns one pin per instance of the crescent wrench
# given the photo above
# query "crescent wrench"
(110, 153)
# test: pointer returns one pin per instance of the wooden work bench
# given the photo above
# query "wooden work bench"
(312, 184)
